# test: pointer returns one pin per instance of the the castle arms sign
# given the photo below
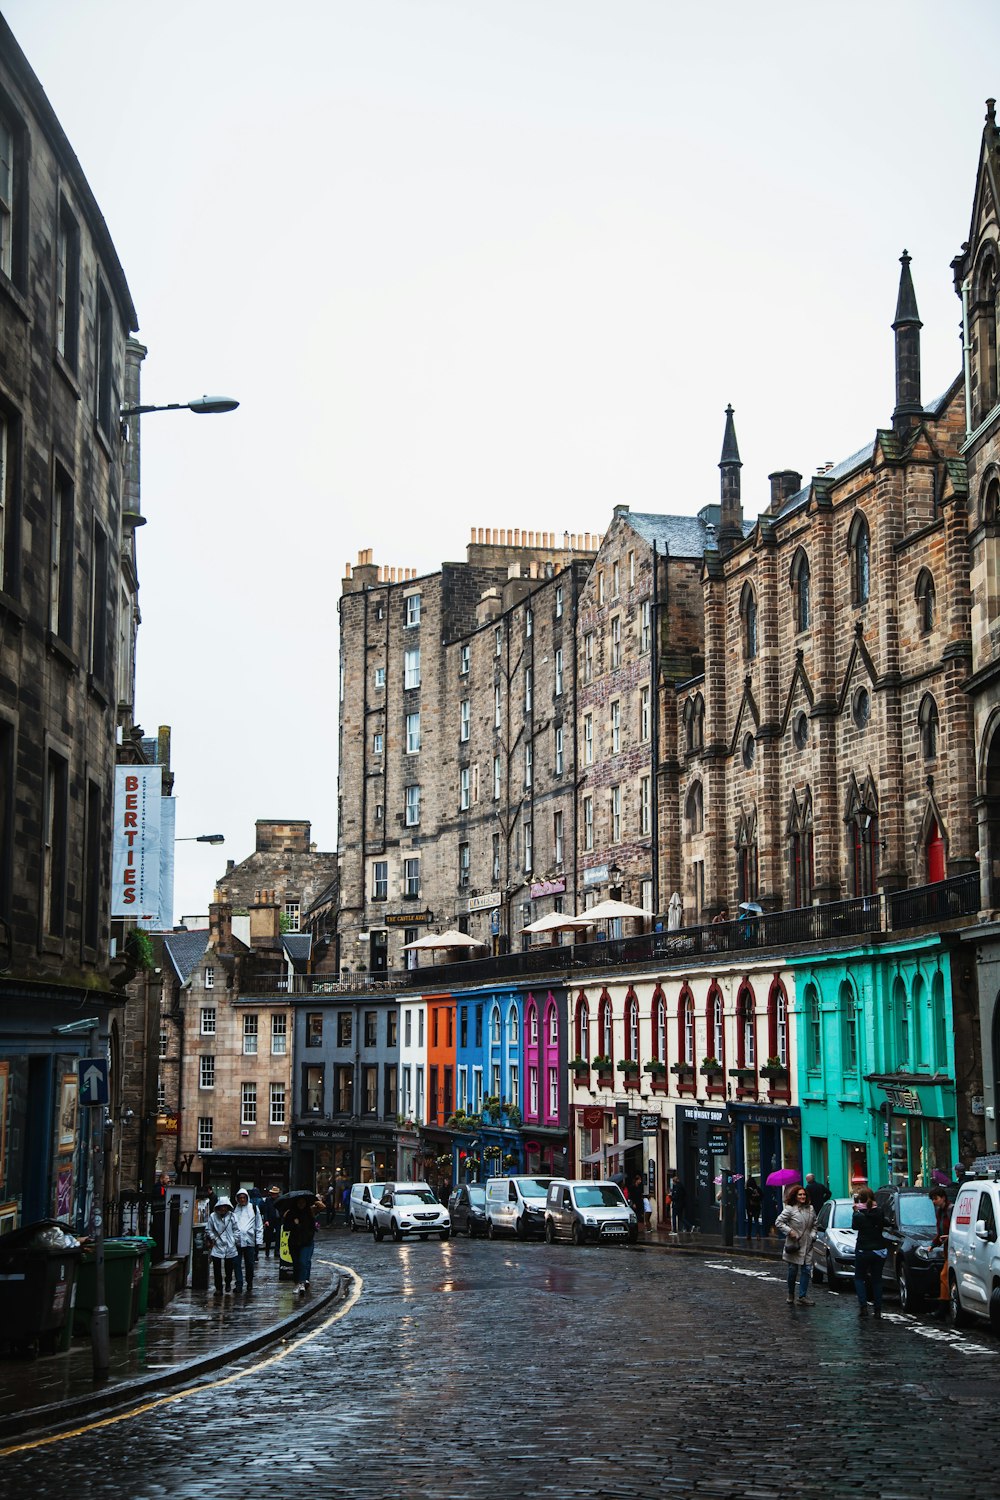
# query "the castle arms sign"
(135, 855)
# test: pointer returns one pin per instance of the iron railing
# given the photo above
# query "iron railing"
(829, 922)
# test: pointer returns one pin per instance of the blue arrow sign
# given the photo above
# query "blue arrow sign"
(93, 1076)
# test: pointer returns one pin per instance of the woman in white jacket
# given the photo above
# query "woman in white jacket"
(798, 1222)
(249, 1227)
(220, 1236)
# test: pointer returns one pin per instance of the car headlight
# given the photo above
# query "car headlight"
(923, 1252)
(590, 1222)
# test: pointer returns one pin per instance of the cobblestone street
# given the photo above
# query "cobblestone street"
(483, 1368)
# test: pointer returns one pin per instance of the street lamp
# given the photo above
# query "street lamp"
(615, 877)
(202, 838)
(203, 406)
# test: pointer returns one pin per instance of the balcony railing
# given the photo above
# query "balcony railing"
(831, 922)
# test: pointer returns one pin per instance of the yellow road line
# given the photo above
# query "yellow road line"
(198, 1390)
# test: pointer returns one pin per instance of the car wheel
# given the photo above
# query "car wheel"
(957, 1316)
(351, 1224)
(377, 1232)
(550, 1234)
(519, 1228)
(577, 1234)
(817, 1273)
(446, 1234)
(468, 1228)
(995, 1309)
(397, 1233)
(490, 1229)
(908, 1299)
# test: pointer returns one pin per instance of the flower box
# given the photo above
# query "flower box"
(682, 1069)
(743, 1075)
(774, 1075)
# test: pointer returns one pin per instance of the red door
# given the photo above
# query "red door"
(935, 855)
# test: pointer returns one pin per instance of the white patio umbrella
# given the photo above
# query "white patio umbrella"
(608, 911)
(555, 921)
(452, 938)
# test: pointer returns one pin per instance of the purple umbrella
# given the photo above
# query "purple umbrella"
(782, 1177)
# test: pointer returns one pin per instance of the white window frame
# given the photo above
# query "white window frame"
(464, 720)
(277, 1104)
(528, 843)
(645, 806)
(412, 611)
(496, 778)
(559, 672)
(411, 669)
(533, 1091)
(293, 915)
(412, 814)
(553, 1092)
(209, 1017)
(205, 1133)
(464, 660)
(616, 726)
(248, 1103)
(616, 641)
(413, 733)
(644, 718)
(645, 626)
(380, 880)
(529, 680)
(279, 1035)
(380, 677)
(559, 601)
(464, 788)
(616, 814)
(206, 1071)
(588, 739)
(560, 754)
(251, 1028)
(528, 763)
(588, 657)
(209, 977)
(588, 823)
(411, 876)
(557, 837)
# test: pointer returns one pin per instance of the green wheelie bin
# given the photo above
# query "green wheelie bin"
(122, 1283)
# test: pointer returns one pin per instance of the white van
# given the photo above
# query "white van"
(364, 1195)
(974, 1251)
(588, 1211)
(516, 1205)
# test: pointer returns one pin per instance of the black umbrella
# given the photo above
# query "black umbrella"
(287, 1199)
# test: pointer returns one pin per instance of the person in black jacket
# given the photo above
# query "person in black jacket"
(870, 1251)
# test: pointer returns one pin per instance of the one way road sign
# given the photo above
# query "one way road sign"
(93, 1075)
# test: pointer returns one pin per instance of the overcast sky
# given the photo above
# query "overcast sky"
(482, 264)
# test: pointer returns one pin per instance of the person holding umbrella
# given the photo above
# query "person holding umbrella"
(798, 1221)
(300, 1220)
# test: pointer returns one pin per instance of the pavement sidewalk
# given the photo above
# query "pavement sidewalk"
(193, 1335)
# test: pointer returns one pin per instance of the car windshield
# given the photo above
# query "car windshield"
(916, 1212)
(534, 1187)
(416, 1195)
(477, 1195)
(843, 1214)
(599, 1195)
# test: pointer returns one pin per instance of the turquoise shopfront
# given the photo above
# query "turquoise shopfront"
(876, 1064)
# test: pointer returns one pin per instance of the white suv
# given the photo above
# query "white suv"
(409, 1209)
(974, 1251)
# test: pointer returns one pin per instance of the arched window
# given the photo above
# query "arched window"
(814, 1029)
(983, 314)
(552, 1024)
(777, 1023)
(745, 1026)
(862, 821)
(582, 1027)
(605, 1027)
(800, 850)
(927, 720)
(926, 602)
(918, 1024)
(698, 707)
(689, 744)
(685, 1027)
(513, 1026)
(495, 1024)
(991, 500)
(859, 547)
(746, 857)
(901, 1017)
(694, 809)
(632, 1026)
(748, 615)
(532, 1025)
(800, 590)
(848, 1029)
(716, 1025)
(659, 1019)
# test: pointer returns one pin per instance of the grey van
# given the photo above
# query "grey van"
(588, 1211)
(516, 1205)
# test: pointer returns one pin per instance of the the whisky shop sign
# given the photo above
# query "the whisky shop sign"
(408, 918)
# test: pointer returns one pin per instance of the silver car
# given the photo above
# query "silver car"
(833, 1247)
(588, 1212)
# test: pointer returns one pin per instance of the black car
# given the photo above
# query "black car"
(467, 1207)
(912, 1262)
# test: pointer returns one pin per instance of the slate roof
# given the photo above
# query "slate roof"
(298, 946)
(677, 536)
(185, 949)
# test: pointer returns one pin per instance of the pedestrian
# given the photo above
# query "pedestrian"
(647, 1212)
(818, 1192)
(300, 1221)
(942, 1215)
(330, 1202)
(870, 1251)
(678, 1199)
(270, 1214)
(345, 1200)
(754, 1204)
(160, 1189)
(721, 916)
(636, 1194)
(249, 1229)
(220, 1236)
(798, 1220)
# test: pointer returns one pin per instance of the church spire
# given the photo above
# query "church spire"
(731, 527)
(906, 327)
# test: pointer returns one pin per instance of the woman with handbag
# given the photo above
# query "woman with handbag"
(797, 1221)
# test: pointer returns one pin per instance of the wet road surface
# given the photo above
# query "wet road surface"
(478, 1368)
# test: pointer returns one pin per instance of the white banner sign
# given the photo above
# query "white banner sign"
(135, 854)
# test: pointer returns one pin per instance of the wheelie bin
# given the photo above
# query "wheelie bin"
(122, 1282)
(38, 1269)
(147, 1244)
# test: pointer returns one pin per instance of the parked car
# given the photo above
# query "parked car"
(516, 1205)
(833, 1248)
(588, 1211)
(467, 1208)
(364, 1196)
(910, 1226)
(974, 1252)
(407, 1209)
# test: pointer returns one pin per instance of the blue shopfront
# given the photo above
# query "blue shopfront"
(744, 1140)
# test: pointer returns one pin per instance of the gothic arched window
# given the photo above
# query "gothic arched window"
(800, 590)
(748, 615)
(694, 808)
(859, 547)
(926, 602)
(927, 720)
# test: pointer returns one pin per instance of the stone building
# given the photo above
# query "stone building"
(827, 750)
(67, 616)
(285, 863)
(439, 733)
(639, 633)
(977, 282)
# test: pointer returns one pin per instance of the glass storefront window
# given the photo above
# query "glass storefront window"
(857, 1165)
